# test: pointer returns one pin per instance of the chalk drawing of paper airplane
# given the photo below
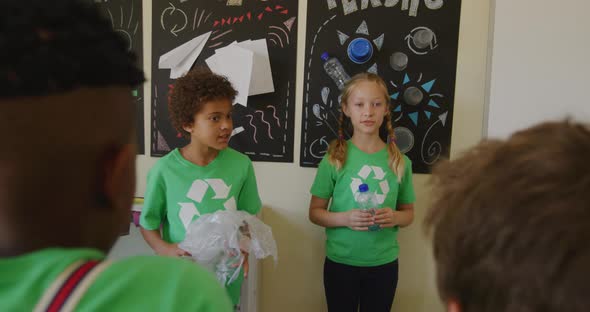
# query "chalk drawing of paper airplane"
(181, 59)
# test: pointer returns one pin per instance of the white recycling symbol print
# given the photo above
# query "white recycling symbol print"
(197, 192)
(378, 174)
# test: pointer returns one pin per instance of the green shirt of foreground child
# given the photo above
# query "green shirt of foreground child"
(134, 284)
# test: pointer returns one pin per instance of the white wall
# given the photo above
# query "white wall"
(540, 63)
(295, 284)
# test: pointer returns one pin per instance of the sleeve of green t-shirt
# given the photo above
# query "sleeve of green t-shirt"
(248, 199)
(406, 189)
(202, 292)
(154, 206)
(150, 283)
(325, 180)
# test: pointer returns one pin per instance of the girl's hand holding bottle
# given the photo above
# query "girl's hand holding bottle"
(385, 217)
(359, 220)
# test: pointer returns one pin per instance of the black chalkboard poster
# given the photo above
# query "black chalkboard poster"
(263, 127)
(414, 49)
(126, 17)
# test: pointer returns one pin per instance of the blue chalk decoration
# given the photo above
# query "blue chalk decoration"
(428, 86)
(433, 104)
(414, 118)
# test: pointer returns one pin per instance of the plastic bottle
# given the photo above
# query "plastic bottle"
(334, 69)
(366, 202)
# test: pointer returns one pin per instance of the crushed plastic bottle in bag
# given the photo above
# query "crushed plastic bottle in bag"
(217, 241)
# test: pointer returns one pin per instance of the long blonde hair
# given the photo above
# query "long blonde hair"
(338, 148)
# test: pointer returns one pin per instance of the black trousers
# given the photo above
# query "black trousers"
(348, 287)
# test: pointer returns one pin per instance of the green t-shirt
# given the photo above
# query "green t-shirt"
(179, 191)
(362, 248)
(146, 283)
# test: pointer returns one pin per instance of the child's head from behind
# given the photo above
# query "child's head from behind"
(365, 104)
(201, 107)
(511, 222)
(67, 166)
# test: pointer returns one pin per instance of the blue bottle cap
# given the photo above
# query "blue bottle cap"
(363, 188)
(325, 56)
(360, 50)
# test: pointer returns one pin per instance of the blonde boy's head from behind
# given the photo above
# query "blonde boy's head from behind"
(511, 223)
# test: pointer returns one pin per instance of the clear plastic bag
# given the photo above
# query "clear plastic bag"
(216, 240)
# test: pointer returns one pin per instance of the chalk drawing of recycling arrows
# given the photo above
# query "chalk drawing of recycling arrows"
(168, 14)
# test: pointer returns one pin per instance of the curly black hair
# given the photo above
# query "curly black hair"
(191, 91)
(55, 46)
